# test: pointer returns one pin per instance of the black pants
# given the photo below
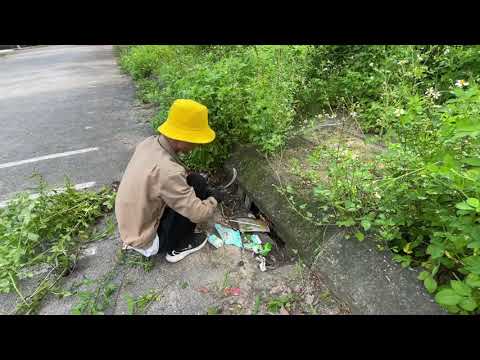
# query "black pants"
(174, 229)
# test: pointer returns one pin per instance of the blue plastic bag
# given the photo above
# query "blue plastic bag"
(215, 240)
(229, 236)
(253, 243)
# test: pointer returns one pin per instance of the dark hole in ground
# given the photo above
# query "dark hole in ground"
(236, 206)
(254, 210)
(273, 234)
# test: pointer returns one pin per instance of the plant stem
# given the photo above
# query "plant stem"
(16, 288)
(67, 210)
(401, 176)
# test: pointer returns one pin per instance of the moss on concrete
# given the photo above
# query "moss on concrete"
(256, 178)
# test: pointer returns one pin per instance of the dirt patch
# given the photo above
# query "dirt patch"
(301, 165)
(290, 290)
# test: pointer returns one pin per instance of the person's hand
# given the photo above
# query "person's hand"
(218, 195)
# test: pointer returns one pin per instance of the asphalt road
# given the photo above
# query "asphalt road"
(65, 111)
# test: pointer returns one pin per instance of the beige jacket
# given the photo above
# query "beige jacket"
(153, 180)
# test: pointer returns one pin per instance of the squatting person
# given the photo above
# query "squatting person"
(158, 203)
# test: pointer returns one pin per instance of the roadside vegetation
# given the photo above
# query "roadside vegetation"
(41, 237)
(419, 197)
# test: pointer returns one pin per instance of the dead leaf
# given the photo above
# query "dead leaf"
(276, 289)
(284, 311)
(203, 290)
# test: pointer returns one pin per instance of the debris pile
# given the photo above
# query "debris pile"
(245, 233)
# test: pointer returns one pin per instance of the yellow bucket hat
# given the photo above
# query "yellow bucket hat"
(188, 121)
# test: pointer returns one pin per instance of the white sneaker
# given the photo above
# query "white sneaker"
(197, 242)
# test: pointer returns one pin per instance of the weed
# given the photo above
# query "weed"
(226, 280)
(214, 311)
(135, 260)
(48, 230)
(142, 303)
(98, 300)
(312, 310)
(275, 304)
(325, 295)
(257, 305)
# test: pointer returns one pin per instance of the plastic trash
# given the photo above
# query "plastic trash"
(246, 224)
(255, 239)
(229, 236)
(231, 291)
(266, 249)
(253, 243)
(263, 263)
(215, 240)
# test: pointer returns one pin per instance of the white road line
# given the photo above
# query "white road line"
(55, 191)
(46, 157)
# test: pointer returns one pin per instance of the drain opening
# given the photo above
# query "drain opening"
(254, 210)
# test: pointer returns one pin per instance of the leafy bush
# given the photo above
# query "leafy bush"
(250, 91)
(141, 61)
(377, 80)
(47, 230)
(421, 197)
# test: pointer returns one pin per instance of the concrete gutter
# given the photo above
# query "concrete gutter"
(369, 281)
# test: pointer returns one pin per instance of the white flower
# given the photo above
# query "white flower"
(333, 116)
(402, 62)
(432, 93)
(399, 112)
(353, 114)
(461, 83)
